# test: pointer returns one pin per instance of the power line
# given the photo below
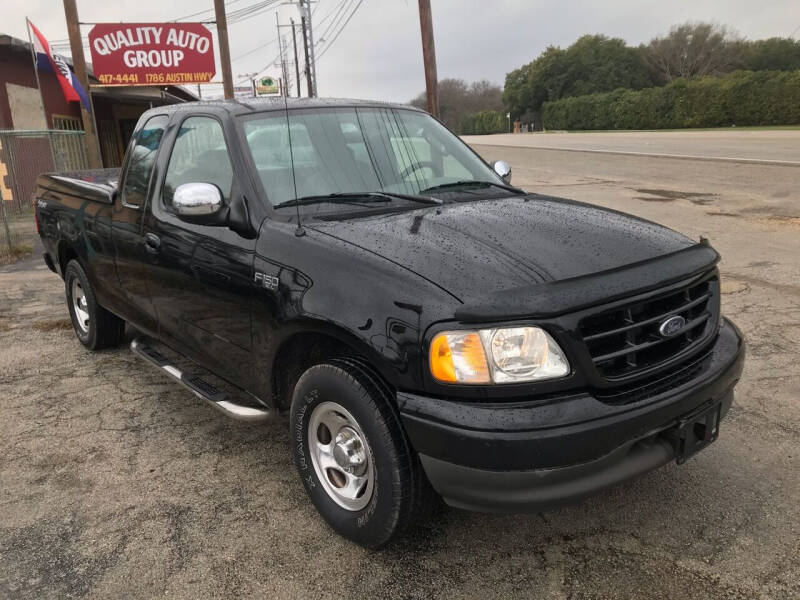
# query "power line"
(208, 10)
(251, 11)
(256, 49)
(236, 16)
(338, 33)
(339, 11)
(264, 68)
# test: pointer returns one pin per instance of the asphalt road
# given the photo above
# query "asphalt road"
(771, 146)
(116, 483)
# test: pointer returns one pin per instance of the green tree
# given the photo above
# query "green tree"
(773, 54)
(594, 63)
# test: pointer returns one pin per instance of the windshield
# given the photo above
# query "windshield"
(358, 150)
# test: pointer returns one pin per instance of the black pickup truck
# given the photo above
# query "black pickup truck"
(430, 330)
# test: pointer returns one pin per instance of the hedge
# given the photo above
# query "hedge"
(486, 121)
(740, 98)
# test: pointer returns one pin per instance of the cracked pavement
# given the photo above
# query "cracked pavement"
(116, 482)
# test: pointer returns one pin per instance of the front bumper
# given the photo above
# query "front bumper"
(534, 454)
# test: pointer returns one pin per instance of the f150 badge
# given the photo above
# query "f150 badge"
(266, 281)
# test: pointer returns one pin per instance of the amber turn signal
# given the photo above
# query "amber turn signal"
(458, 357)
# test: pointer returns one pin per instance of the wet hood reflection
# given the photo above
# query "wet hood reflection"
(498, 244)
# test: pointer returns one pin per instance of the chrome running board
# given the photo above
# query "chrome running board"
(142, 347)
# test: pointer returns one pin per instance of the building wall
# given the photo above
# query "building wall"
(26, 106)
(16, 68)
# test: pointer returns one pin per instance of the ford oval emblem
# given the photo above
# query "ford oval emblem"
(671, 326)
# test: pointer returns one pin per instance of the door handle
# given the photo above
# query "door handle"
(152, 242)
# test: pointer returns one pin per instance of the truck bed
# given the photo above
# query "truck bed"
(97, 185)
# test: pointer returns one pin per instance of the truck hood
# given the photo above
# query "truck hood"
(471, 248)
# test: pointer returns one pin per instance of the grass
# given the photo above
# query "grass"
(23, 235)
(15, 253)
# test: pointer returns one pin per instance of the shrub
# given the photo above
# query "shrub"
(484, 122)
(739, 98)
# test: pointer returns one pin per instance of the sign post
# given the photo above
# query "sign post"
(152, 53)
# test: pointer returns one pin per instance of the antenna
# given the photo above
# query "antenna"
(299, 231)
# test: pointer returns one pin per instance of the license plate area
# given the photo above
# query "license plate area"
(697, 431)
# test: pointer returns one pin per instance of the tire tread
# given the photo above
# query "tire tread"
(108, 329)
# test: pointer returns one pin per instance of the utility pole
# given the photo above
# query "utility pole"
(284, 91)
(308, 43)
(79, 66)
(296, 62)
(224, 49)
(429, 57)
(308, 62)
(285, 66)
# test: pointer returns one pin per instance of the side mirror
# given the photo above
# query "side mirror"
(199, 203)
(503, 169)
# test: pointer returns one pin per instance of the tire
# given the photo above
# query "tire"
(398, 495)
(95, 327)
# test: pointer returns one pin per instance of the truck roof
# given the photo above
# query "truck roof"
(254, 105)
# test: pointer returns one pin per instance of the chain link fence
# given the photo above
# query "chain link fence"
(24, 155)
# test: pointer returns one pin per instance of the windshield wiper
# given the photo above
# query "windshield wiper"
(347, 197)
(471, 182)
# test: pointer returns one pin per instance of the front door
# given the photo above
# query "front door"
(201, 277)
(127, 221)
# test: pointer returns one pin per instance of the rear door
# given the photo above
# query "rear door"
(201, 278)
(131, 251)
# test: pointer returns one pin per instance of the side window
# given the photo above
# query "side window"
(199, 155)
(143, 157)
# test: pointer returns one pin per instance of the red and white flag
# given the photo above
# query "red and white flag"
(53, 63)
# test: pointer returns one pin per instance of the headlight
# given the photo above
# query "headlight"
(503, 355)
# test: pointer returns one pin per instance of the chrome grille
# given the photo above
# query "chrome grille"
(625, 340)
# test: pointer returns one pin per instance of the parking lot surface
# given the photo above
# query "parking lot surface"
(754, 145)
(115, 482)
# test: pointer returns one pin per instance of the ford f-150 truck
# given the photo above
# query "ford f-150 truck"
(430, 330)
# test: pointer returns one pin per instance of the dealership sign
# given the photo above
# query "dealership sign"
(267, 86)
(151, 53)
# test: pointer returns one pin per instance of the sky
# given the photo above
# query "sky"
(378, 54)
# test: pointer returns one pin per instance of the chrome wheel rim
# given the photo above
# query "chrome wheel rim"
(80, 306)
(341, 456)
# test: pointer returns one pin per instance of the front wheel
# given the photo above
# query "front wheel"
(95, 327)
(353, 456)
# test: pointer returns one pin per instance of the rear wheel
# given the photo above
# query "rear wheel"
(353, 456)
(95, 327)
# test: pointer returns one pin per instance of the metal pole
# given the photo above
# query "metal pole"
(285, 66)
(36, 71)
(5, 222)
(296, 62)
(429, 57)
(224, 49)
(280, 50)
(79, 66)
(311, 49)
(41, 94)
(308, 63)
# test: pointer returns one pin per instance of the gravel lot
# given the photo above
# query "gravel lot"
(116, 483)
